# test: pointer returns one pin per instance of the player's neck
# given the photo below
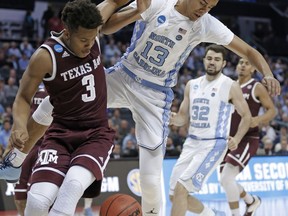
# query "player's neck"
(243, 80)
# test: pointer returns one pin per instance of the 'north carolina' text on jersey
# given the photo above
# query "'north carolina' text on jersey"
(77, 86)
(160, 47)
(210, 110)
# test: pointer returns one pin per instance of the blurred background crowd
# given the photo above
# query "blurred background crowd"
(265, 34)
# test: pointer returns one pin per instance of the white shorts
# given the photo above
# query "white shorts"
(150, 108)
(198, 159)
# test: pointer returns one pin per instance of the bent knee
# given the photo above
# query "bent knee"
(38, 203)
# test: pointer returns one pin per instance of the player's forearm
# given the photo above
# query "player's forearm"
(21, 113)
(36, 131)
(267, 116)
(108, 7)
(243, 126)
(258, 61)
(120, 19)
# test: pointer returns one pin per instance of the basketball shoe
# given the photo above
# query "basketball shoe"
(7, 171)
(251, 208)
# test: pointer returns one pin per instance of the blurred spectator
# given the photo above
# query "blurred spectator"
(130, 136)
(111, 50)
(131, 149)
(5, 133)
(181, 137)
(116, 154)
(282, 147)
(3, 99)
(3, 60)
(263, 33)
(28, 25)
(26, 47)
(123, 129)
(23, 62)
(55, 23)
(229, 70)
(10, 90)
(44, 20)
(7, 115)
(13, 50)
(269, 136)
(116, 118)
(171, 150)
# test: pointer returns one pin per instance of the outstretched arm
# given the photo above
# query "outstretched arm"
(108, 7)
(125, 16)
(244, 50)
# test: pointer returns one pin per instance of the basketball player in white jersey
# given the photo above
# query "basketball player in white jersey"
(163, 38)
(208, 104)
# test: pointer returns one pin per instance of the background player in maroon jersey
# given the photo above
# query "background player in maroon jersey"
(77, 146)
(234, 162)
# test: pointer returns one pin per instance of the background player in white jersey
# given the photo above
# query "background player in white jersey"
(235, 161)
(163, 38)
(207, 107)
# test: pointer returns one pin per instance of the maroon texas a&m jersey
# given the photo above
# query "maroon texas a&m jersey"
(77, 86)
(254, 106)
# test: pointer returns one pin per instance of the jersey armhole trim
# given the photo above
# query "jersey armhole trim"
(53, 63)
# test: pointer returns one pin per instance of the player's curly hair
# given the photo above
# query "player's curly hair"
(81, 13)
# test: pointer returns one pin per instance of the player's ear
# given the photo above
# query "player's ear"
(224, 64)
(66, 33)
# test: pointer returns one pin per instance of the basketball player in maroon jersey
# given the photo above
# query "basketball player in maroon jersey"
(235, 161)
(20, 190)
(77, 146)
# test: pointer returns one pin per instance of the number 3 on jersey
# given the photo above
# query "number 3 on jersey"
(89, 82)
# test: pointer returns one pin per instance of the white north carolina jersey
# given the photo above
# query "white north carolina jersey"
(164, 38)
(210, 110)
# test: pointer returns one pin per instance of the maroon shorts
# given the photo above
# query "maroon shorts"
(63, 148)
(247, 148)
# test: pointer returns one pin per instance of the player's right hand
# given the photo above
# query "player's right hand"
(232, 143)
(272, 85)
(18, 138)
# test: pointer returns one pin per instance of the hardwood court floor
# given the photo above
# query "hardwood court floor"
(269, 207)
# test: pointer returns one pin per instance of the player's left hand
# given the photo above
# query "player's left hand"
(232, 143)
(254, 122)
(272, 85)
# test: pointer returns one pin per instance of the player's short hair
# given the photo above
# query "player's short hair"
(218, 49)
(81, 13)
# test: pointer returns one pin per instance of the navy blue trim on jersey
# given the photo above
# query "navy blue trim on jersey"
(144, 82)
(199, 138)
